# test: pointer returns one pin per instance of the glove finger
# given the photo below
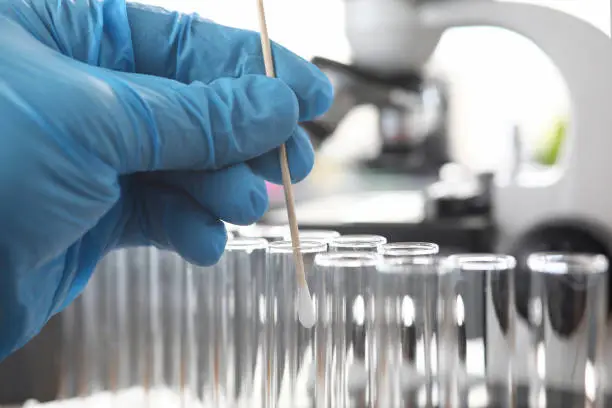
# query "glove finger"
(164, 125)
(170, 219)
(188, 48)
(300, 156)
(96, 33)
(234, 194)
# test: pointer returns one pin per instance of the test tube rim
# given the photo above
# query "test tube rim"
(407, 249)
(352, 241)
(325, 235)
(347, 259)
(474, 262)
(397, 265)
(306, 247)
(246, 244)
(567, 263)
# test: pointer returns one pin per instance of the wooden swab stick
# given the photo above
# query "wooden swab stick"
(305, 307)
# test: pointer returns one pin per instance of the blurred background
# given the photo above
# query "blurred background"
(496, 78)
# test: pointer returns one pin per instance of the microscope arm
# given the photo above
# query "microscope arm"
(352, 87)
(581, 52)
(583, 55)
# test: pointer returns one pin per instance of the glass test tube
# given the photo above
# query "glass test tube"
(79, 377)
(405, 323)
(289, 346)
(403, 249)
(73, 352)
(123, 335)
(344, 328)
(480, 309)
(314, 235)
(567, 312)
(98, 320)
(94, 320)
(361, 243)
(114, 325)
(226, 300)
(247, 258)
(136, 272)
(269, 232)
(166, 307)
(93, 348)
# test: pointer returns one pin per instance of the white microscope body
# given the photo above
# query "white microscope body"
(396, 35)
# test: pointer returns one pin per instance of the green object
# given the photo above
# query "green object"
(548, 152)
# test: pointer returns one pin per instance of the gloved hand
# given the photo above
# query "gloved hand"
(129, 125)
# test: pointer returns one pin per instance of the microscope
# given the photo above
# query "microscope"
(412, 115)
(387, 73)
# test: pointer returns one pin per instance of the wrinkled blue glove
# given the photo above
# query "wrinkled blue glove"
(128, 125)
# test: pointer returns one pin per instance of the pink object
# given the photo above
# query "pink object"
(275, 192)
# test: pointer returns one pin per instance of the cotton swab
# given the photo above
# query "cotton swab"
(306, 312)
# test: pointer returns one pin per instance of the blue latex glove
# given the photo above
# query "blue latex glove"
(128, 125)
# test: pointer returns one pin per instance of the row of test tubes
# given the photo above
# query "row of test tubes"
(394, 327)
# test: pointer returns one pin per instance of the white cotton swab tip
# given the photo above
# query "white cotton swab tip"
(306, 313)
